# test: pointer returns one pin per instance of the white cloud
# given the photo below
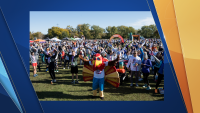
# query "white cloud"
(140, 23)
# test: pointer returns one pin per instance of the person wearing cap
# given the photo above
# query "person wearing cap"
(134, 63)
(146, 64)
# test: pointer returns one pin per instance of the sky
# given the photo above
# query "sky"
(41, 21)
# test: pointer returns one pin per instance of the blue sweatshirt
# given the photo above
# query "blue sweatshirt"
(161, 70)
(142, 53)
(145, 69)
(158, 64)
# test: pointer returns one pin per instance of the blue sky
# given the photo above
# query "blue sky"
(41, 21)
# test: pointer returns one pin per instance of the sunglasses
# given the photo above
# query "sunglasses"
(134, 53)
(96, 58)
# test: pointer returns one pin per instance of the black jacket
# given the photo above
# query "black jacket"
(52, 60)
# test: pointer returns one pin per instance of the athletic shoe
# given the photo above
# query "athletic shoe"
(140, 79)
(54, 80)
(148, 88)
(68, 67)
(34, 75)
(156, 91)
(145, 86)
(54, 71)
(102, 98)
(73, 81)
(131, 84)
(137, 85)
(77, 81)
(124, 77)
(156, 77)
(161, 91)
(57, 70)
(63, 68)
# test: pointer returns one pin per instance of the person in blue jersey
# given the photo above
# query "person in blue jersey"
(141, 52)
(146, 64)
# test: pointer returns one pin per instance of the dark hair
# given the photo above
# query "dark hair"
(34, 50)
(160, 49)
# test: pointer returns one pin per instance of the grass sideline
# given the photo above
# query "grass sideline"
(63, 90)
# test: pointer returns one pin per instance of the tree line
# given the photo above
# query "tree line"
(96, 32)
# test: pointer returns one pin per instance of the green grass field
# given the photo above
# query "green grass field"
(63, 90)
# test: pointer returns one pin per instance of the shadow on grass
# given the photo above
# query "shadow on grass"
(125, 90)
(50, 94)
(59, 95)
(65, 82)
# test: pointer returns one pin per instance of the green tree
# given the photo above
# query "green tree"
(156, 34)
(122, 31)
(108, 31)
(64, 34)
(84, 28)
(31, 36)
(148, 31)
(139, 31)
(96, 31)
(131, 30)
(39, 35)
(114, 30)
(58, 32)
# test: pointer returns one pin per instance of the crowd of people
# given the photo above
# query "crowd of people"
(143, 56)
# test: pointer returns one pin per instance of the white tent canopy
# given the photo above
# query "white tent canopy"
(55, 39)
